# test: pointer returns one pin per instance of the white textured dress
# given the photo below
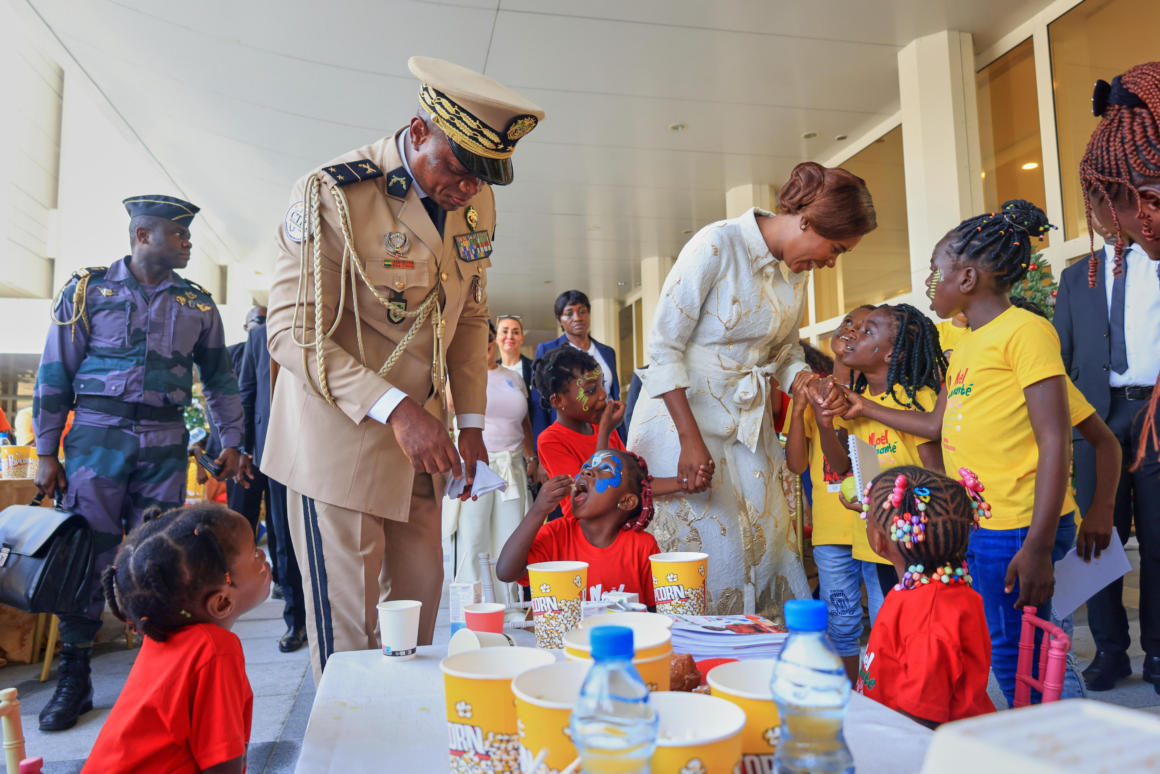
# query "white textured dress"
(727, 320)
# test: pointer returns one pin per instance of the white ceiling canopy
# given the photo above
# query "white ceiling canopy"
(237, 100)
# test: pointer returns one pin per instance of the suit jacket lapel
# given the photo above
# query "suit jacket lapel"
(412, 212)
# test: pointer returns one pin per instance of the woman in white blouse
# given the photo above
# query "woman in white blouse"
(727, 322)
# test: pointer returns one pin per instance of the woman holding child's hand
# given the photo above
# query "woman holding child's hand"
(725, 329)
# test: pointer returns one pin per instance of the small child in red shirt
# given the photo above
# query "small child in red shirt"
(929, 652)
(182, 579)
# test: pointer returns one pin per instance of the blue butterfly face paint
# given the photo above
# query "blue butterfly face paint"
(608, 468)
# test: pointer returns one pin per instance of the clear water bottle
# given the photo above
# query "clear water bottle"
(613, 726)
(811, 690)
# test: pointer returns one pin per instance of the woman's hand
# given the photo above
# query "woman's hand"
(696, 467)
(799, 392)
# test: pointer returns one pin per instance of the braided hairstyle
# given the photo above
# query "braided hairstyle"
(817, 361)
(167, 564)
(949, 515)
(557, 369)
(1000, 242)
(644, 482)
(1124, 148)
(918, 360)
(1028, 306)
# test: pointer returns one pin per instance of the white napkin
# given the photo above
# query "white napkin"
(486, 481)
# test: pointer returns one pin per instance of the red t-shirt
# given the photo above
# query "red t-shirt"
(623, 566)
(563, 452)
(929, 654)
(186, 706)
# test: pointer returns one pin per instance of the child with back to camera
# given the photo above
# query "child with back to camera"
(928, 656)
(182, 579)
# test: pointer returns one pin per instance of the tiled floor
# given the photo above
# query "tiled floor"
(284, 690)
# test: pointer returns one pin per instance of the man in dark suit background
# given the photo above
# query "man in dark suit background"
(1109, 338)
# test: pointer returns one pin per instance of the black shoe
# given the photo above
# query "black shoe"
(1152, 671)
(74, 690)
(1105, 669)
(276, 591)
(292, 640)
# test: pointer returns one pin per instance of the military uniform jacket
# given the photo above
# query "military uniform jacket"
(136, 349)
(340, 455)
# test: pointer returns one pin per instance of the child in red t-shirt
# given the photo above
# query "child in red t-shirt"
(182, 579)
(929, 652)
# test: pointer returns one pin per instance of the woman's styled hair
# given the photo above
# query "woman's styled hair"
(837, 203)
(948, 518)
(569, 297)
(167, 564)
(1000, 242)
(917, 360)
(557, 369)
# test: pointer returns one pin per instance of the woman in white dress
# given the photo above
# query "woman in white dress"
(727, 322)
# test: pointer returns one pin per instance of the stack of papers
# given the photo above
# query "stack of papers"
(729, 636)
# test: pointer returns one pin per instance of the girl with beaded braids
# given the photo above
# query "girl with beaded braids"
(928, 656)
(182, 579)
(1003, 413)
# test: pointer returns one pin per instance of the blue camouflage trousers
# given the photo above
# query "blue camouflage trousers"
(116, 470)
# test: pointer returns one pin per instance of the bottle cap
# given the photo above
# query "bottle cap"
(613, 642)
(805, 615)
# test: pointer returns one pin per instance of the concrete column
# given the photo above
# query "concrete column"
(652, 278)
(940, 141)
(604, 322)
(741, 199)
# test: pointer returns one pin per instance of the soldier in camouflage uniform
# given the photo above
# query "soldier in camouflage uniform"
(121, 353)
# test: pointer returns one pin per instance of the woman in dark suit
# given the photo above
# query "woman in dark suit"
(574, 313)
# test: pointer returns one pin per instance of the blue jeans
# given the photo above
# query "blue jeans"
(989, 554)
(840, 578)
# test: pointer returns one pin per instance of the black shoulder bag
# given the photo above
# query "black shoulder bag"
(47, 557)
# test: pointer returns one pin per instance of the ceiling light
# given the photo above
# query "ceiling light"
(1031, 165)
(594, 228)
(984, 175)
(622, 284)
(687, 231)
(840, 137)
(680, 127)
(809, 135)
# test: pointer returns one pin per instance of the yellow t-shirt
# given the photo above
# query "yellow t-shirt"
(831, 519)
(949, 334)
(1080, 410)
(894, 449)
(986, 427)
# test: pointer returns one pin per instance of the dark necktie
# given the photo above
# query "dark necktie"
(438, 214)
(1119, 343)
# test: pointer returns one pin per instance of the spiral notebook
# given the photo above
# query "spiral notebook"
(863, 463)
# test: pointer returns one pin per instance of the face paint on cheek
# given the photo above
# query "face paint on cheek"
(935, 278)
(581, 396)
(617, 477)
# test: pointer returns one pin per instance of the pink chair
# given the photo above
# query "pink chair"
(1052, 660)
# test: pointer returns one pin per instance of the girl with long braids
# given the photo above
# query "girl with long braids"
(1003, 413)
(183, 579)
(928, 656)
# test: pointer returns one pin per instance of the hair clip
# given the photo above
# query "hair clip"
(187, 615)
(982, 508)
(228, 581)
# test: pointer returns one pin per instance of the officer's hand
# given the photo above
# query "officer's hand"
(230, 461)
(245, 471)
(50, 475)
(471, 448)
(424, 439)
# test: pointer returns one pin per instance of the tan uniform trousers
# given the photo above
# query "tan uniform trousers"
(351, 561)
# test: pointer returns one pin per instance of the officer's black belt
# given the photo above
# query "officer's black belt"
(134, 411)
(1133, 392)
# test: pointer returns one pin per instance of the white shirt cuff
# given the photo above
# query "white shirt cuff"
(469, 420)
(383, 407)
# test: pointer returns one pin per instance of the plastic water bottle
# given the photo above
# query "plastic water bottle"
(811, 690)
(613, 725)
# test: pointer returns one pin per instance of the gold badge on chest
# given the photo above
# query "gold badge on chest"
(472, 217)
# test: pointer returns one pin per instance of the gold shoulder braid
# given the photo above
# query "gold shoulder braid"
(313, 262)
(80, 313)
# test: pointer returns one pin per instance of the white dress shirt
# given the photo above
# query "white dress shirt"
(383, 407)
(1141, 316)
(604, 369)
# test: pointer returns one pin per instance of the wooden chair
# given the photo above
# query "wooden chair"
(1052, 660)
(12, 731)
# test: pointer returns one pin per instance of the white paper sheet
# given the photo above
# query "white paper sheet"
(1076, 580)
(486, 481)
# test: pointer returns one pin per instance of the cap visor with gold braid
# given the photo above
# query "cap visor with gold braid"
(483, 120)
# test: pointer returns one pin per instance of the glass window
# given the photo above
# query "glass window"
(1009, 129)
(1096, 39)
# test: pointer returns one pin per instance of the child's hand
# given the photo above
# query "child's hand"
(704, 478)
(856, 507)
(551, 493)
(1036, 576)
(852, 409)
(613, 415)
(1096, 531)
(798, 390)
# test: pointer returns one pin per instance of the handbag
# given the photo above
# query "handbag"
(47, 559)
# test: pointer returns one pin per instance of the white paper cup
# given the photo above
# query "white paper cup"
(399, 628)
(465, 640)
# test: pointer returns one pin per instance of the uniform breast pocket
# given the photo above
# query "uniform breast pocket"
(111, 322)
(185, 330)
(403, 285)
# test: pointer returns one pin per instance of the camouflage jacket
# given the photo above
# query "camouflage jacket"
(136, 349)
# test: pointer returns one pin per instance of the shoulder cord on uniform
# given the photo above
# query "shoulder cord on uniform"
(429, 308)
(80, 313)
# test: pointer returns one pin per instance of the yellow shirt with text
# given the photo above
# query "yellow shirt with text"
(986, 427)
(831, 519)
(949, 334)
(1080, 410)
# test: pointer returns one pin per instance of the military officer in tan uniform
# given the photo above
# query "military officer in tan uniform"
(379, 299)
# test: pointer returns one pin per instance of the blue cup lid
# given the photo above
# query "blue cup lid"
(611, 642)
(805, 615)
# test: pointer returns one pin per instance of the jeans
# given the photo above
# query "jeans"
(840, 578)
(989, 554)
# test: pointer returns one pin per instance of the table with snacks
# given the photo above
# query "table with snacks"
(371, 714)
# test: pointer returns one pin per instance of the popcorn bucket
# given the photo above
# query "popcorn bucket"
(557, 591)
(647, 641)
(698, 734)
(18, 461)
(545, 697)
(655, 671)
(679, 582)
(631, 620)
(746, 684)
(481, 712)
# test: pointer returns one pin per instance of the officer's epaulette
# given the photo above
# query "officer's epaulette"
(353, 171)
(194, 285)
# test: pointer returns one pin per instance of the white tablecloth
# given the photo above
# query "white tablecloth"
(369, 715)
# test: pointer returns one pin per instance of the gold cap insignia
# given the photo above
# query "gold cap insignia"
(520, 127)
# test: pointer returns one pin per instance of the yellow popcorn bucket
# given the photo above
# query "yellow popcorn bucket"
(697, 735)
(679, 582)
(631, 620)
(746, 684)
(481, 711)
(545, 697)
(557, 593)
(18, 462)
(647, 641)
